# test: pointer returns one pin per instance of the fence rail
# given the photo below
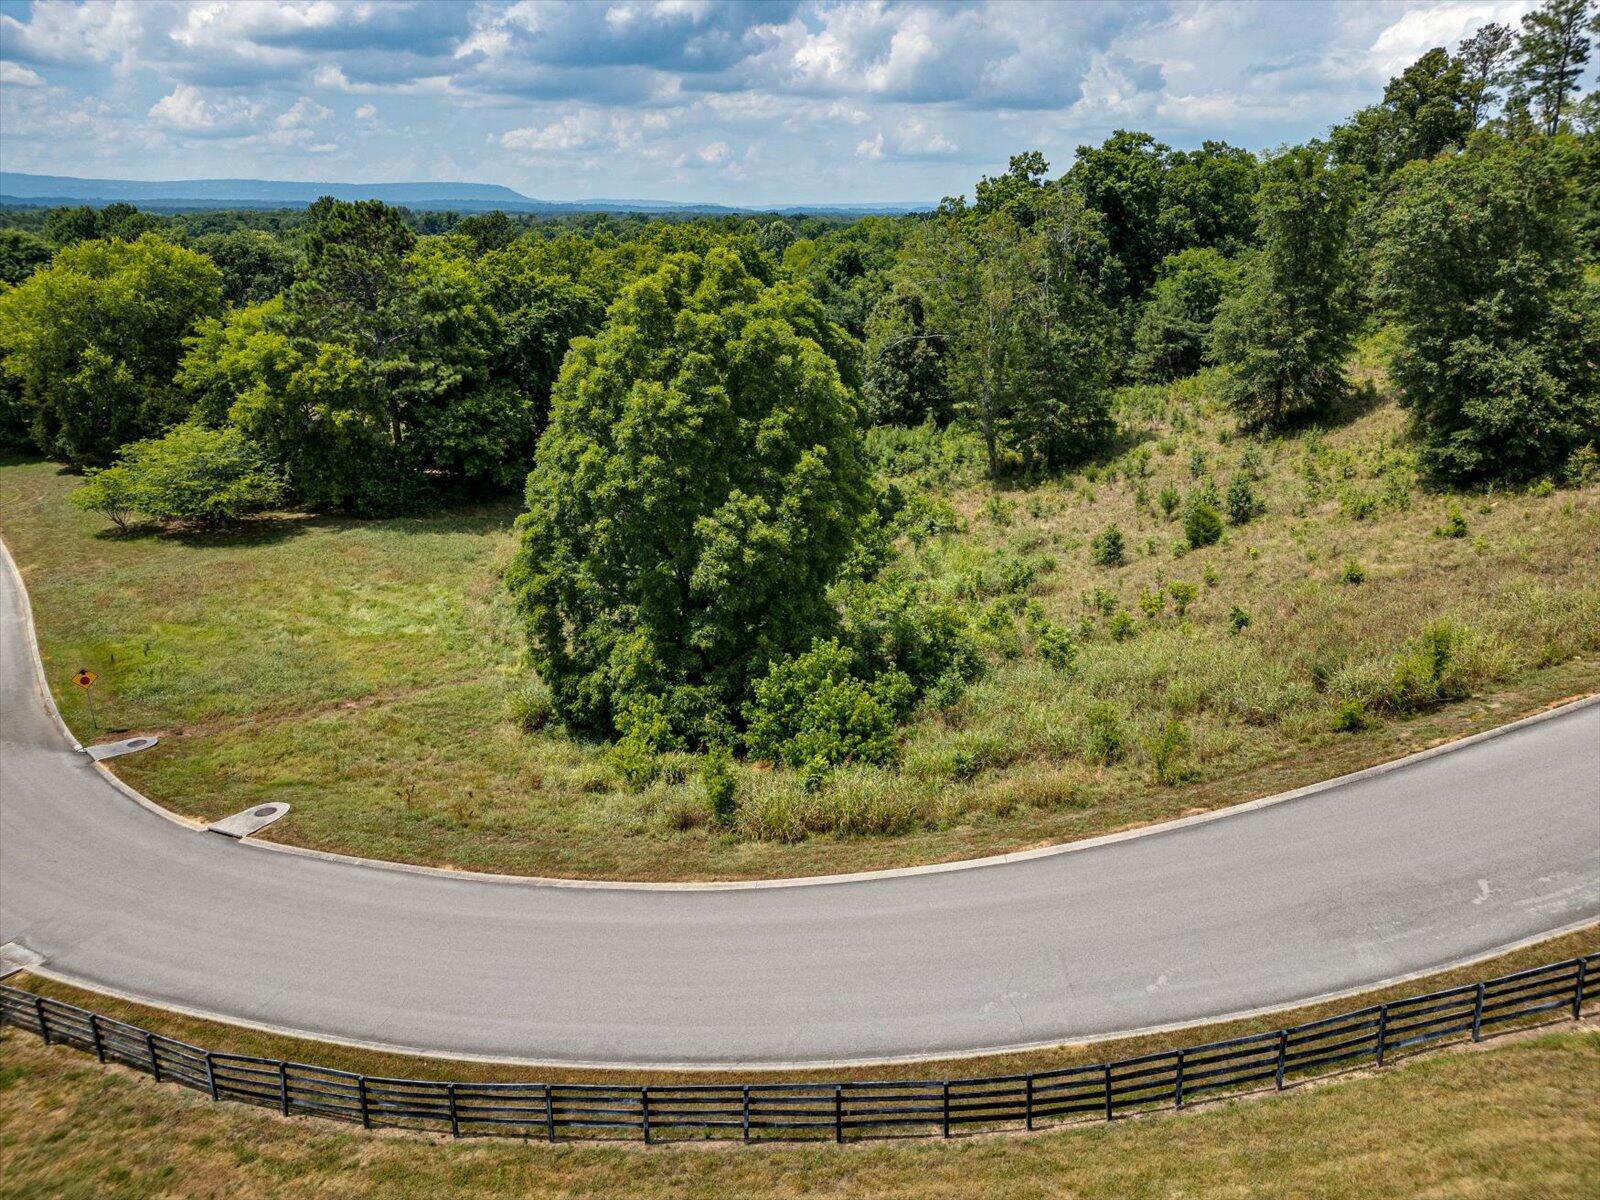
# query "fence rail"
(836, 1110)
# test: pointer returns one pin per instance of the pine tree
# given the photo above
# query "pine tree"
(1551, 55)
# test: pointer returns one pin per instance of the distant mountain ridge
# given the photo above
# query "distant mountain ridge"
(21, 188)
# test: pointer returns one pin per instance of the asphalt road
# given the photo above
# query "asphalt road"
(1437, 861)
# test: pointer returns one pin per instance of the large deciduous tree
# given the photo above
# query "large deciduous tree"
(96, 337)
(1029, 341)
(1499, 359)
(696, 493)
(1426, 109)
(1285, 329)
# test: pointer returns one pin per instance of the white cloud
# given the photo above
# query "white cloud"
(367, 112)
(16, 75)
(187, 109)
(587, 131)
(1421, 29)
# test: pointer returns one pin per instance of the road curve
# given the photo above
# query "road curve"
(1439, 860)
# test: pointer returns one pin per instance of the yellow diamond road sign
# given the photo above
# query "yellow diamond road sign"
(84, 678)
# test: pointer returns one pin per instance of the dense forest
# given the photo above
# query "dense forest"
(704, 412)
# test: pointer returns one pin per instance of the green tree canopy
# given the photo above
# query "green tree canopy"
(96, 337)
(1499, 359)
(1426, 109)
(1284, 330)
(907, 372)
(21, 253)
(1175, 321)
(255, 265)
(1551, 55)
(1028, 341)
(697, 491)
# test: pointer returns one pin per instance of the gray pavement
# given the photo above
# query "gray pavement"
(1442, 859)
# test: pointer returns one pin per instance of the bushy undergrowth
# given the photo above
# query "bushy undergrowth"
(1041, 677)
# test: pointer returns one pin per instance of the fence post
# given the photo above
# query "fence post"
(211, 1075)
(1027, 1104)
(455, 1118)
(94, 1034)
(1177, 1084)
(644, 1113)
(283, 1086)
(549, 1114)
(744, 1118)
(38, 1012)
(361, 1101)
(1283, 1055)
(838, 1114)
(1577, 991)
(1110, 1115)
(150, 1049)
(1383, 1030)
(944, 1118)
(1477, 1015)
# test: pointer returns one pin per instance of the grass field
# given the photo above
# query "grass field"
(1516, 1119)
(361, 671)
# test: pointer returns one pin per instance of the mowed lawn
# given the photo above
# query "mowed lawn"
(1517, 1120)
(361, 671)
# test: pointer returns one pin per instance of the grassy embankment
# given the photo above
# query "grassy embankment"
(361, 671)
(1514, 1119)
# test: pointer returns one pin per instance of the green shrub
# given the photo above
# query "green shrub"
(1167, 497)
(1166, 750)
(1353, 573)
(529, 707)
(1054, 645)
(1428, 673)
(110, 493)
(1102, 734)
(998, 630)
(717, 777)
(1238, 620)
(1202, 526)
(1454, 525)
(1350, 717)
(811, 712)
(898, 625)
(1120, 626)
(1242, 502)
(192, 475)
(1152, 603)
(1183, 594)
(1106, 548)
(1357, 504)
(636, 762)
(1583, 466)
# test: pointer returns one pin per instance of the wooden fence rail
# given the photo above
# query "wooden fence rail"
(827, 1110)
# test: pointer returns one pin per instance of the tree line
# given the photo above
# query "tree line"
(686, 401)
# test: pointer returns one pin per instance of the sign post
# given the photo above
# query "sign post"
(85, 678)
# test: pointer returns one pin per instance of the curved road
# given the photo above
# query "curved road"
(1441, 859)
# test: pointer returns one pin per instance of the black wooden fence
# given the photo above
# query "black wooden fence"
(1170, 1078)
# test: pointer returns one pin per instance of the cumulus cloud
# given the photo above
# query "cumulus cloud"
(16, 75)
(189, 110)
(586, 132)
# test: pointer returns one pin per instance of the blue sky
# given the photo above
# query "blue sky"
(757, 102)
